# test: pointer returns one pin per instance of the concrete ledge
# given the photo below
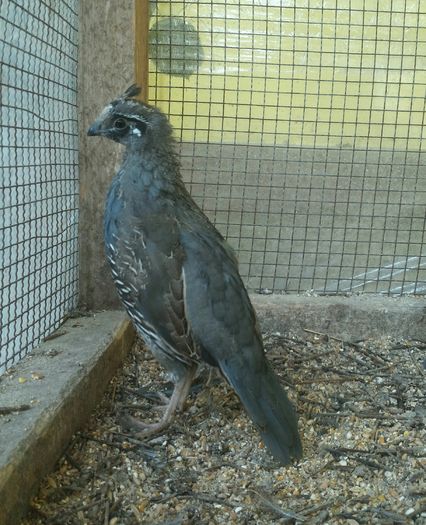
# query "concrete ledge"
(62, 381)
(350, 318)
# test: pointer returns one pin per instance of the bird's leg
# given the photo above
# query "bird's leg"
(163, 399)
(176, 403)
(214, 373)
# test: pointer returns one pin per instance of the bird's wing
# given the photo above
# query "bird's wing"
(151, 266)
(217, 305)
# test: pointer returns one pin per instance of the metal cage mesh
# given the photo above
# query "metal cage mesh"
(300, 127)
(39, 175)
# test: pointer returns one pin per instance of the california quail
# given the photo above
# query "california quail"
(178, 278)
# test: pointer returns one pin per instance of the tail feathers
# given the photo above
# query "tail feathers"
(268, 407)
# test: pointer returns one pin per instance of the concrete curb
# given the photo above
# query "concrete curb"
(62, 381)
(352, 318)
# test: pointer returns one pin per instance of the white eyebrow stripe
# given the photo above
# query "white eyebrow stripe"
(105, 111)
(132, 116)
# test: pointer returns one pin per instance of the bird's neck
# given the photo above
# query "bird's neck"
(153, 168)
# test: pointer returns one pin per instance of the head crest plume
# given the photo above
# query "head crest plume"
(132, 91)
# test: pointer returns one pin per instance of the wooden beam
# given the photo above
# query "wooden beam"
(141, 27)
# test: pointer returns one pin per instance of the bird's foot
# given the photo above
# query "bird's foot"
(164, 400)
(172, 405)
(145, 429)
(161, 401)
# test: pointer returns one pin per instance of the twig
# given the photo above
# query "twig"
(369, 415)
(321, 518)
(325, 467)
(310, 357)
(416, 364)
(345, 450)
(276, 508)
(321, 506)
(357, 346)
(315, 402)
(396, 518)
(9, 410)
(87, 506)
(377, 359)
(72, 461)
(55, 335)
(329, 380)
(135, 441)
(325, 336)
(106, 513)
(353, 453)
(198, 496)
(103, 441)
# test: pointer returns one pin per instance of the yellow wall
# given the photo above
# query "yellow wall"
(301, 72)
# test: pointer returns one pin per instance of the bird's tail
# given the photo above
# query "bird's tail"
(268, 407)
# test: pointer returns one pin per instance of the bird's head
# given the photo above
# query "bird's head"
(131, 122)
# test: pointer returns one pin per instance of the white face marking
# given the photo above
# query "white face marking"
(105, 112)
(136, 131)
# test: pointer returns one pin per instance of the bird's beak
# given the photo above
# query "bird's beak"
(94, 129)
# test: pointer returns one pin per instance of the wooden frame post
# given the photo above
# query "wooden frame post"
(141, 30)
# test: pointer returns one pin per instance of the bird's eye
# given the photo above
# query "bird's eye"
(120, 123)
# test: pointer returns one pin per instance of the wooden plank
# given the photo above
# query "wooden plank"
(141, 30)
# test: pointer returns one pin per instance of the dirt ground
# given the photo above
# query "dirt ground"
(362, 415)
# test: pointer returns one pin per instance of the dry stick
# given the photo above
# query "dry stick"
(396, 518)
(332, 337)
(369, 416)
(416, 364)
(9, 410)
(199, 496)
(321, 334)
(363, 461)
(276, 508)
(321, 506)
(313, 402)
(359, 348)
(316, 355)
(103, 441)
(72, 461)
(106, 512)
(55, 335)
(377, 359)
(135, 441)
(346, 450)
(398, 417)
(379, 450)
(114, 392)
(329, 380)
(324, 514)
(87, 506)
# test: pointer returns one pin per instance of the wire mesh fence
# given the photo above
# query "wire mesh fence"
(39, 156)
(301, 132)
(300, 127)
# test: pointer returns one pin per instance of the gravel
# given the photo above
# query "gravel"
(362, 421)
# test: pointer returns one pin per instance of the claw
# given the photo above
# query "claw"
(165, 400)
(143, 429)
(172, 405)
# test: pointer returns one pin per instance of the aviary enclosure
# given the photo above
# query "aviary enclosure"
(300, 128)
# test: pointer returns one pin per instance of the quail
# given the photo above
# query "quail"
(178, 278)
